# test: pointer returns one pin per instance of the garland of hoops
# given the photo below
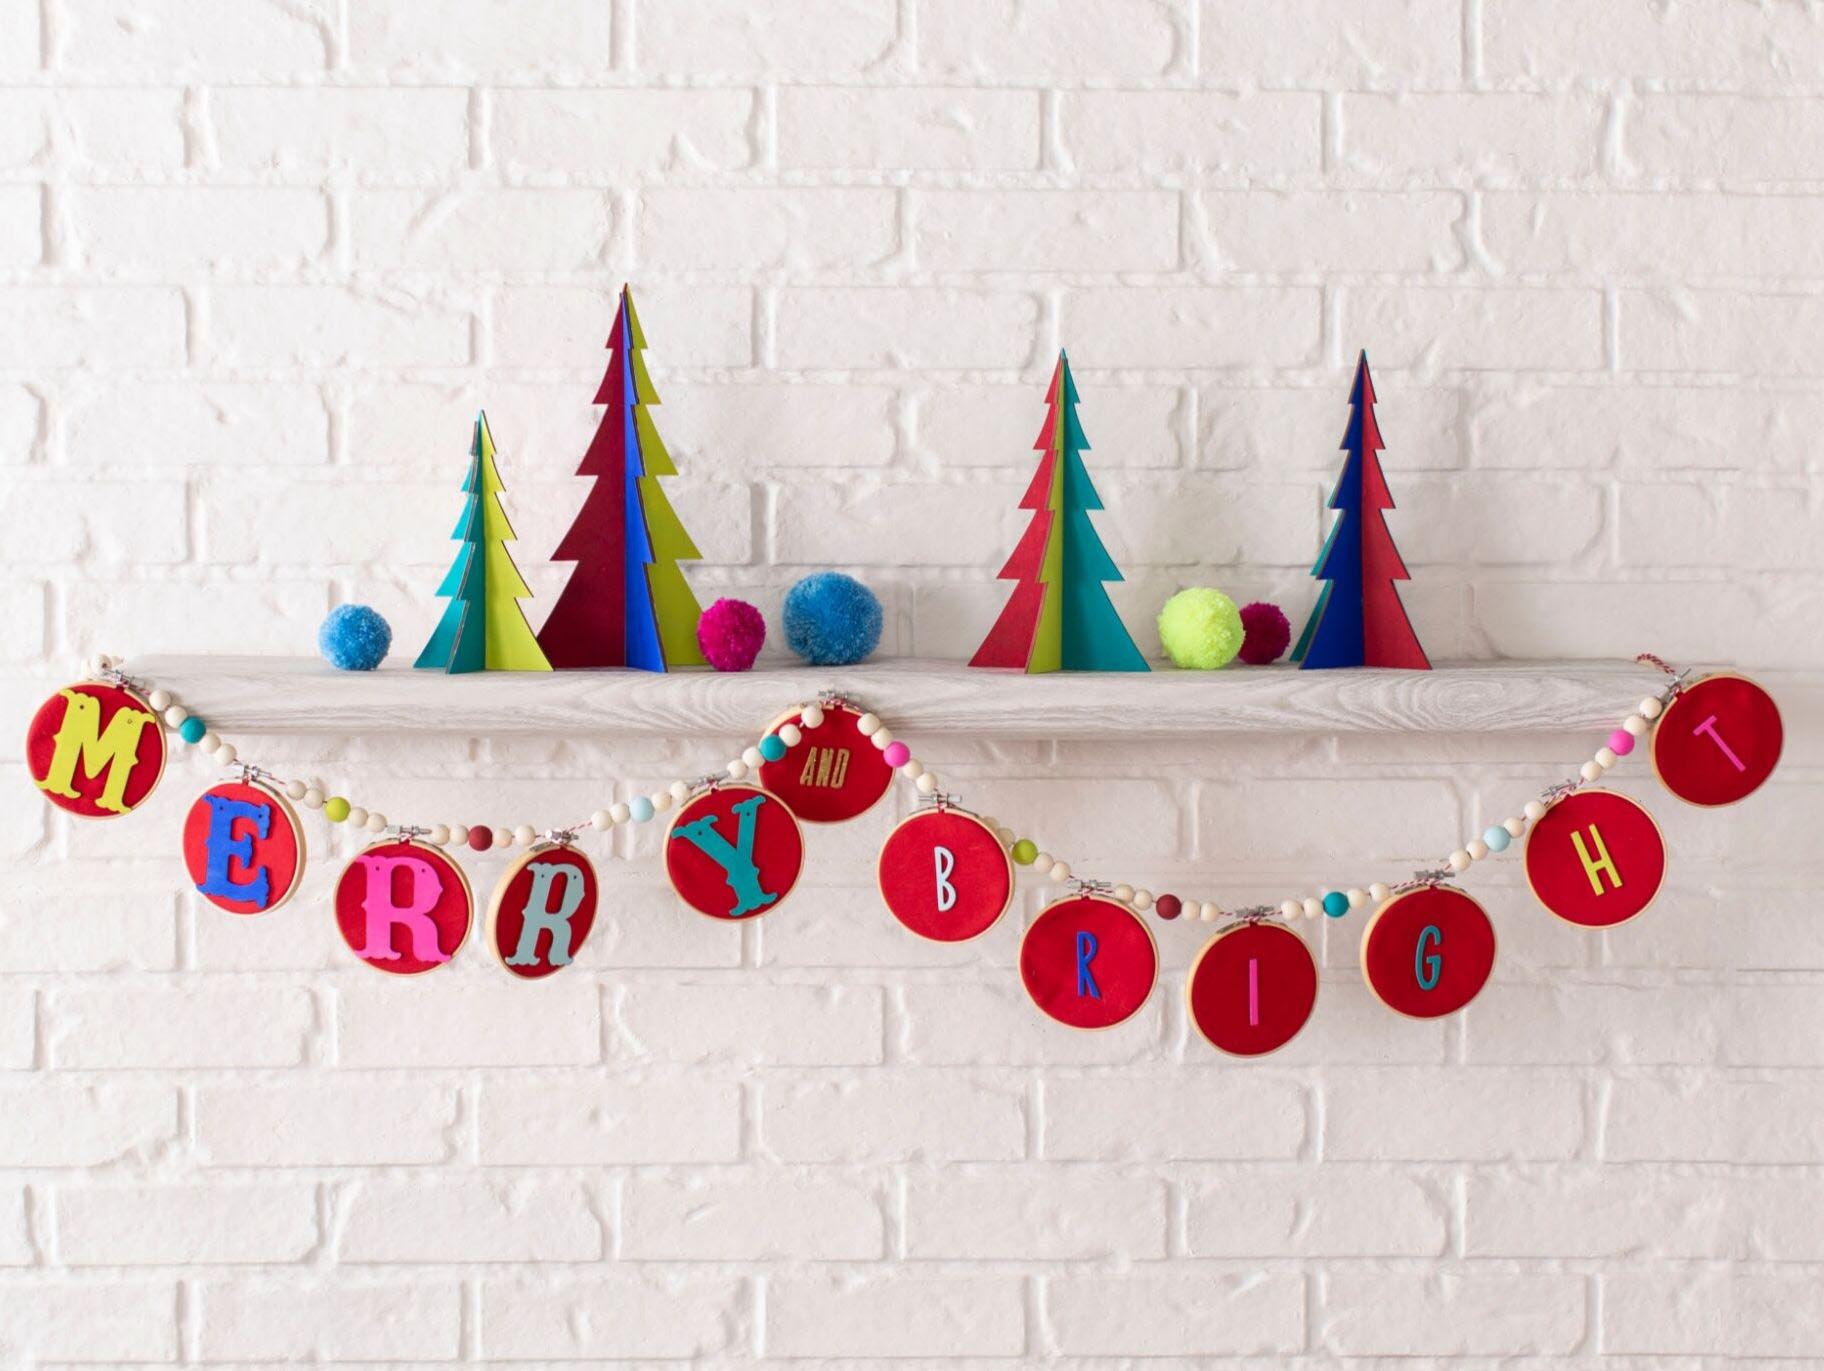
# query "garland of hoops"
(734, 848)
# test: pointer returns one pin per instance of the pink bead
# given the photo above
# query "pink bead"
(896, 754)
(1621, 742)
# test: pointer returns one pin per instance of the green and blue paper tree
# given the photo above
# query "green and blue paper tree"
(483, 628)
(1059, 617)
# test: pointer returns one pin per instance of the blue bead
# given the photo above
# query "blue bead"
(772, 747)
(192, 729)
(1336, 904)
(1497, 838)
(639, 809)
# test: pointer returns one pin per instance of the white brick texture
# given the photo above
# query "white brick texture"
(260, 260)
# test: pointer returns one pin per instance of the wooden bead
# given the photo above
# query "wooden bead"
(459, 834)
(439, 835)
(1124, 893)
(227, 754)
(753, 758)
(1042, 861)
(1590, 771)
(736, 769)
(791, 735)
(1650, 707)
(1060, 871)
(1209, 912)
(312, 797)
(1378, 892)
(1168, 906)
(927, 783)
(160, 700)
(1356, 896)
(376, 823)
(1460, 860)
(1476, 848)
(175, 716)
(1515, 827)
(356, 817)
(867, 725)
(913, 769)
(620, 811)
(661, 801)
(1143, 899)
(1291, 909)
(811, 716)
(1605, 757)
(1534, 811)
(601, 820)
(1636, 725)
(524, 835)
(882, 738)
(1312, 907)
(1006, 835)
(680, 791)
(210, 742)
(296, 789)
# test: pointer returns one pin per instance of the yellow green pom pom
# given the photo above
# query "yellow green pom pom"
(1200, 629)
(335, 809)
(1024, 851)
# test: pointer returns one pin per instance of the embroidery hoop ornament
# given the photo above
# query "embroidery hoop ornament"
(406, 838)
(922, 817)
(1087, 892)
(1203, 953)
(693, 809)
(126, 688)
(1686, 701)
(282, 812)
(586, 914)
(1545, 819)
(781, 777)
(1378, 922)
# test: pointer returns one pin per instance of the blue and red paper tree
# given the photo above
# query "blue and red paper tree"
(1059, 616)
(1359, 620)
(627, 603)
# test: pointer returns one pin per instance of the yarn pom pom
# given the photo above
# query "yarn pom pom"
(1267, 632)
(731, 633)
(354, 638)
(1200, 629)
(831, 619)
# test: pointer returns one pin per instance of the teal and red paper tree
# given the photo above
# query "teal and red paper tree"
(627, 603)
(1059, 617)
(1359, 620)
(483, 628)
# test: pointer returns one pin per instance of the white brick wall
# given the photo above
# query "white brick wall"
(260, 260)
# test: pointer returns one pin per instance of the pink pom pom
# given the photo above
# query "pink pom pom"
(1621, 742)
(896, 754)
(730, 634)
(1265, 633)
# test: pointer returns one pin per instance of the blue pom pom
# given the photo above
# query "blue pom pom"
(354, 638)
(1336, 904)
(831, 619)
(772, 747)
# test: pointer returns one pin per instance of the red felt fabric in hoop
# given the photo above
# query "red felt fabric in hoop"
(1434, 934)
(977, 875)
(1122, 966)
(1629, 837)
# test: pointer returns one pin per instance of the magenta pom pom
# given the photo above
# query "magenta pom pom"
(1265, 633)
(896, 754)
(731, 632)
(1621, 742)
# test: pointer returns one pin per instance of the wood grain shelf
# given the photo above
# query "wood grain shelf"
(301, 695)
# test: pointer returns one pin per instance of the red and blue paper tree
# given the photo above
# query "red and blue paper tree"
(627, 603)
(1359, 620)
(1059, 616)
(483, 628)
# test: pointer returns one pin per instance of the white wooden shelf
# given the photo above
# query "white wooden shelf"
(303, 695)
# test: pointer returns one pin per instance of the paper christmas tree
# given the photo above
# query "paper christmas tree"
(1059, 616)
(627, 603)
(483, 628)
(1359, 620)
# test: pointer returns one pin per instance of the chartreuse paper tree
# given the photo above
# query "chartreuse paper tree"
(483, 628)
(1059, 617)
(1359, 620)
(627, 602)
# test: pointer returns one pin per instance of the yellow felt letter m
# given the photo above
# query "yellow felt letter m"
(109, 753)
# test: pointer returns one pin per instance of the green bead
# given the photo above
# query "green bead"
(192, 729)
(1024, 851)
(335, 809)
(1336, 904)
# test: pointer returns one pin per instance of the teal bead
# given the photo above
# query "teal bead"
(1497, 838)
(772, 747)
(191, 730)
(639, 809)
(1336, 904)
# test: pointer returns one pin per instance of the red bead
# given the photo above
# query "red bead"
(1168, 906)
(481, 837)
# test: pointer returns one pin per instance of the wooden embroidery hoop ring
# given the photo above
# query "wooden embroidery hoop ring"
(499, 895)
(1190, 979)
(1006, 858)
(1651, 899)
(1127, 909)
(709, 789)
